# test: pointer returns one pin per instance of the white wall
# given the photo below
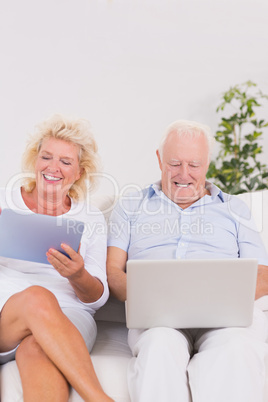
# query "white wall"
(129, 66)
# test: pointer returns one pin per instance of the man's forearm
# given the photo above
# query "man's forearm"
(117, 280)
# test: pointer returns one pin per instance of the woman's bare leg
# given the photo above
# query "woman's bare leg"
(41, 380)
(36, 311)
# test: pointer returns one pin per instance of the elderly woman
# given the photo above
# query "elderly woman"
(47, 310)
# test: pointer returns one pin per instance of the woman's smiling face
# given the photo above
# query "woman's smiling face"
(57, 167)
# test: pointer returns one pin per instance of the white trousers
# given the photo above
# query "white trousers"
(218, 365)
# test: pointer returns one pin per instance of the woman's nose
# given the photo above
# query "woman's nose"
(54, 164)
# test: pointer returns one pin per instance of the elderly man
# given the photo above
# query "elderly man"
(199, 365)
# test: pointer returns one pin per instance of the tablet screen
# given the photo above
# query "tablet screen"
(29, 236)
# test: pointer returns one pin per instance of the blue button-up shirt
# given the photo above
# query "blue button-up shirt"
(148, 225)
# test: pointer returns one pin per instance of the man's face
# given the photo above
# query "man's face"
(184, 165)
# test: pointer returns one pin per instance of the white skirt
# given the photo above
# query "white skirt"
(81, 319)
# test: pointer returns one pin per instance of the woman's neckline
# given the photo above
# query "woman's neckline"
(26, 205)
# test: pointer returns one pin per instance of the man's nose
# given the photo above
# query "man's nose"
(184, 170)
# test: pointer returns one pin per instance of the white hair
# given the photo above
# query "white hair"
(187, 128)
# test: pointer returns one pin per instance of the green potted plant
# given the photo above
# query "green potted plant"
(237, 168)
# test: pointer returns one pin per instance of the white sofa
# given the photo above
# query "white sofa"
(111, 353)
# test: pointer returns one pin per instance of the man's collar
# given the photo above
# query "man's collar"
(215, 191)
(155, 188)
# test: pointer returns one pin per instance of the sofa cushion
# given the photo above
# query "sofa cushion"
(110, 357)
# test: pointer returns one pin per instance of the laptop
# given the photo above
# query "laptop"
(190, 293)
(29, 236)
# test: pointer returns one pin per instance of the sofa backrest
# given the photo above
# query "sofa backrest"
(113, 310)
(258, 204)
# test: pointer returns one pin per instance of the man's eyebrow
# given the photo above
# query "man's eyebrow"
(177, 160)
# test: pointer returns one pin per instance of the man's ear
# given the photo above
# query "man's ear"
(159, 159)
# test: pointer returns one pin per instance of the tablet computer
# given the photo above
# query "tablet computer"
(28, 236)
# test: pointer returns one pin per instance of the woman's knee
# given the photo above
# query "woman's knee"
(37, 300)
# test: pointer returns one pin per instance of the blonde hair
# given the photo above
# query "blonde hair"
(75, 131)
